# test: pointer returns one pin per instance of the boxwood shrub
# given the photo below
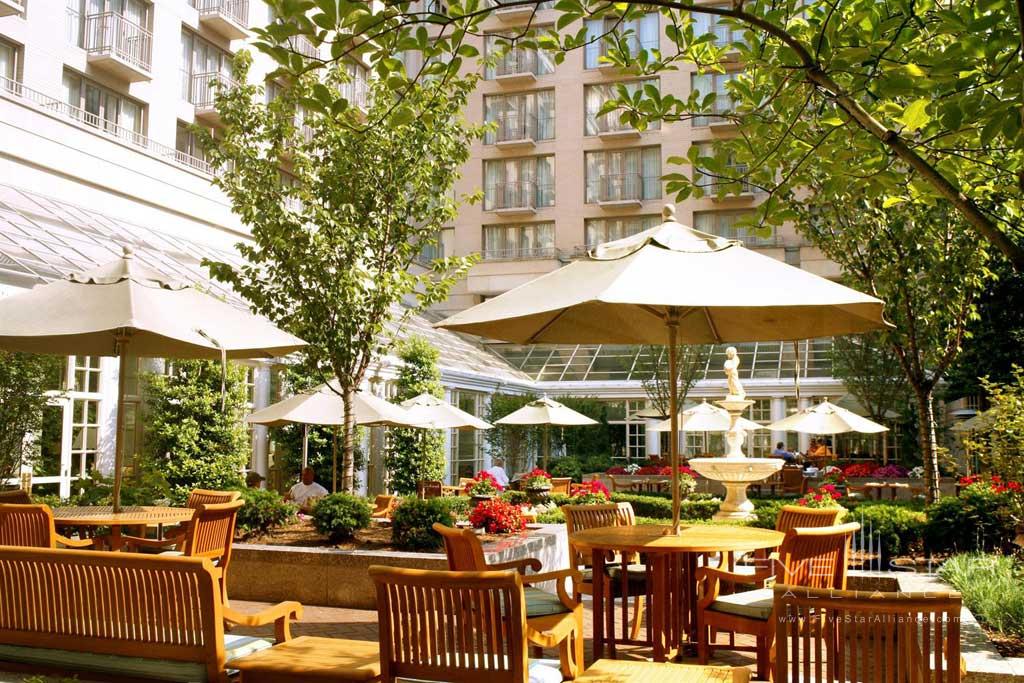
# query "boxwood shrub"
(413, 519)
(340, 515)
(264, 509)
(658, 507)
(977, 519)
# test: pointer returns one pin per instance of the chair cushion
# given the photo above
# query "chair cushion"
(312, 658)
(136, 667)
(544, 671)
(756, 604)
(542, 604)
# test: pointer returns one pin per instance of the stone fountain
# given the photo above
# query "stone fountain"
(735, 470)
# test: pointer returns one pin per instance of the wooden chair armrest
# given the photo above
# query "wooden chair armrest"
(135, 542)
(519, 565)
(710, 580)
(281, 615)
(559, 577)
(75, 542)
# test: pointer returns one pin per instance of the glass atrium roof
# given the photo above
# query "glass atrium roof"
(609, 362)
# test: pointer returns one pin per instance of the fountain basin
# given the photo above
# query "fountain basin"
(736, 474)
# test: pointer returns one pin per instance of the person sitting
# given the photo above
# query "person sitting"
(254, 480)
(497, 470)
(306, 492)
(781, 452)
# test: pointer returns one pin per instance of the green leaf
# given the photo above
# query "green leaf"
(915, 115)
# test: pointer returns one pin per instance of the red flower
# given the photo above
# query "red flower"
(481, 478)
(497, 517)
(618, 469)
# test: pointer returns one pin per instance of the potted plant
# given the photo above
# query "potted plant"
(482, 487)
(496, 516)
(537, 484)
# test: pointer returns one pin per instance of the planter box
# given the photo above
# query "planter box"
(339, 578)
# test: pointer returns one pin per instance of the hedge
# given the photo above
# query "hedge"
(661, 508)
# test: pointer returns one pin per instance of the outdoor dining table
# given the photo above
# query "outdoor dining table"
(892, 486)
(130, 516)
(671, 563)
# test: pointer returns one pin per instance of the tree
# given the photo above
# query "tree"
(517, 445)
(337, 233)
(691, 362)
(416, 454)
(927, 269)
(24, 379)
(927, 87)
(195, 435)
(1000, 437)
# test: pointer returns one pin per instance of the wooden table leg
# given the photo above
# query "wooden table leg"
(659, 569)
(690, 595)
(597, 567)
(114, 539)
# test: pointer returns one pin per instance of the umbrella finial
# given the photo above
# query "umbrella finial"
(127, 252)
(668, 212)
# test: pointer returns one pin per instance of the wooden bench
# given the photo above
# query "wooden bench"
(122, 617)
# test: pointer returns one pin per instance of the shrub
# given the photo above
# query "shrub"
(340, 515)
(458, 506)
(515, 497)
(554, 517)
(767, 511)
(898, 529)
(264, 509)
(992, 587)
(412, 521)
(661, 508)
(497, 517)
(416, 454)
(577, 467)
(980, 518)
(824, 497)
(483, 484)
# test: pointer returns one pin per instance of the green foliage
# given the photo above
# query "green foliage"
(24, 377)
(515, 497)
(766, 511)
(190, 438)
(578, 467)
(518, 445)
(147, 487)
(334, 240)
(412, 522)
(588, 443)
(416, 454)
(263, 510)
(871, 371)
(661, 508)
(992, 587)
(999, 440)
(458, 506)
(899, 529)
(977, 519)
(691, 360)
(340, 515)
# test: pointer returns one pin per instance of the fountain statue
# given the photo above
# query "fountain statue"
(736, 471)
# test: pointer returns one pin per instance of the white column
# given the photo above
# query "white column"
(449, 464)
(805, 439)
(260, 433)
(778, 413)
(109, 368)
(653, 439)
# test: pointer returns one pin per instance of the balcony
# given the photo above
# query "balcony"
(11, 7)
(357, 92)
(515, 131)
(620, 191)
(303, 46)
(203, 94)
(229, 18)
(119, 46)
(517, 67)
(517, 13)
(727, 37)
(611, 129)
(519, 254)
(512, 199)
(726, 189)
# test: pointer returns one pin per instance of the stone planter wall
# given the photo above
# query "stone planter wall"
(339, 578)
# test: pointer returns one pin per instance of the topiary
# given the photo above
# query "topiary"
(340, 515)
(413, 519)
(264, 509)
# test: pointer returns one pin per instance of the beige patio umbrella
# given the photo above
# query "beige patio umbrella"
(431, 412)
(324, 406)
(547, 412)
(123, 307)
(977, 421)
(671, 285)
(705, 417)
(827, 418)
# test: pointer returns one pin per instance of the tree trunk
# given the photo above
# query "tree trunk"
(348, 442)
(928, 442)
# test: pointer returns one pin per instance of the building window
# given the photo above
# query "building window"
(595, 96)
(509, 60)
(10, 65)
(792, 256)
(641, 34)
(723, 224)
(201, 62)
(623, 175)
(529, 116)
(731, 181)
(726, 32)
(600, 230)
(526, 241)
(101, 108)
(135, 13)
(527, 183)
(718, 84)
(84, 390)
(356, 88)
(467, 455)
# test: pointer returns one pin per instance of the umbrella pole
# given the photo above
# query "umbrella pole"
(796, 371)
(334, 460)
(305, 446)
(673, 399)
(122, 371)
(547, 446)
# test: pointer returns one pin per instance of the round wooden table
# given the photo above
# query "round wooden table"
(129, 516)
(892, 486)
(671, 563)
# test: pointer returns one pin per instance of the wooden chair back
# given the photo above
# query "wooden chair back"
(428, 488)
(462, 627)
(793, 480)
(815, 557)
(794, 516)
(383, 505)
(580, 517)
(15, 497)
(27, 526)
(826, 636)
(463, 548)
(561, 485)
(112, 603)
(211, 532)
(199, 497)
(463, 481)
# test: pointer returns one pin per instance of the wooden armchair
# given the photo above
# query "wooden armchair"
(31, 526)
(429, 488)
(551, 620)
(814, 557)
(15, 497)
(561, 485)
(793, 480)
(383, 506)
(633, 584)
(828, 636)
(209, 534)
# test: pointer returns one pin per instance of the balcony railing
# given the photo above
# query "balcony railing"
(519, 253)
(516, 195)
(720, 109)
(714, 186)
(235, 10)
(516, 62)
(9, 7)
(87, 120)
(110, 33)
(357, 92)
(304, 46)
(204, 87)
(611, 123)
(620, 187)
(513, 127)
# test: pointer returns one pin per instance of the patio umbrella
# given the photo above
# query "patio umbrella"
(827, 418)
(977, 421)
(431, 412)
(705, 417)
(547, 412)
(323, 406)
(671, 285)
(123, 307)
